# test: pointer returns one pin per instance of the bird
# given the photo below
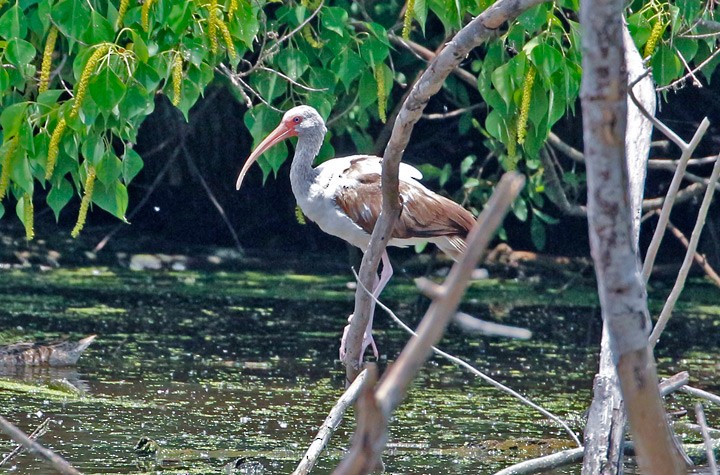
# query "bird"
(60, 353)
(343, 196)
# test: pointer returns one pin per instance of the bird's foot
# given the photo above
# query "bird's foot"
(368, 340)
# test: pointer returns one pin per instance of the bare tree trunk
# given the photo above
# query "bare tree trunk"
(621, 288)
(605, 429)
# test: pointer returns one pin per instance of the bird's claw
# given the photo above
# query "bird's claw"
(368, 340)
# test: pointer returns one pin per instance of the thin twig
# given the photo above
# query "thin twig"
(291, 80)
(689, 255)
(699, 258)
(332, 422)
(678, 82)
(670, 198)
(221, 211)
(464, 364)
(664, 129)
(452, 114)
(36, 434)
(58, 463)
(700, 416)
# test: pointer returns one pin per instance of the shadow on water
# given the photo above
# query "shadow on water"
(217, 366)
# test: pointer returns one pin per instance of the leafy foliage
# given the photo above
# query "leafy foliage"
(78, 79)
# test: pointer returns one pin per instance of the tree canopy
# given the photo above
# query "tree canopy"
(78, 79)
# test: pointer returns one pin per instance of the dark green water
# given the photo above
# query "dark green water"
(220, 365)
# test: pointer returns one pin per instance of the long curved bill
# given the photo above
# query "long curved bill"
(280, 133)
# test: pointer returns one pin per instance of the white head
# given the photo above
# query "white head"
(300, 121)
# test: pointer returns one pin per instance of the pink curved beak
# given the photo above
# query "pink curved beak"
(280, 133)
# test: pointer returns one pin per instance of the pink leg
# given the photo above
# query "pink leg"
(385, 275)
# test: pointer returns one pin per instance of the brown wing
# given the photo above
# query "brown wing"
(424, 214)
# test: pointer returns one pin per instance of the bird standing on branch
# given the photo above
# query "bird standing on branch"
(344, 197)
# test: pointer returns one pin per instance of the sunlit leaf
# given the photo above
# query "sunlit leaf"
(131, 165)
(60, 194)
(107, 89)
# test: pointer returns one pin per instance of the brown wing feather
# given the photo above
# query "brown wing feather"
(424, 215)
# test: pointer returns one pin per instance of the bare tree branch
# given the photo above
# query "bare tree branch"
(57, 462)
(687, 262)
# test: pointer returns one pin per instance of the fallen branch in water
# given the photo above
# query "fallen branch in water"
(58, 463)
(328, 428)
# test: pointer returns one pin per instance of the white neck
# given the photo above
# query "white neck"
(302, 173)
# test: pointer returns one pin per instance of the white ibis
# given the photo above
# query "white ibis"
(343, 196)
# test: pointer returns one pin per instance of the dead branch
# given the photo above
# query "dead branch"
(701, 394)
(689, 256)
(684, 195)
(687, 151)
(332, 422)
(699, 258)
(674, 383)
(612, 238)
(700, 416)
(543, 464)
(472, 35)
(58, 463)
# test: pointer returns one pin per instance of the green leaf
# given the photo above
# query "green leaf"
(534, 18)
(20, 173)
(445, 175)
(2, 210)
(373, 51)
(420, 11)
(12, 118)
(269, 85)
(112, 198)
(71, 17)
(99, 30)
(246, 25)
(19, 52)
(109, 168)
(292, 62)
(546, 59)
(520, 209)
(136, 102)
(537, 233)
(502, 80)
(179, 17)
(13, 23)
(347, 66)
(666, 65)
(107, 89)
(335, 19)
(467, 164)
(59, 196)
(93, 148)
(147, 75)
(139, 47)
(131, 165)
(687, 47)
(495, 126)
(4, 80)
